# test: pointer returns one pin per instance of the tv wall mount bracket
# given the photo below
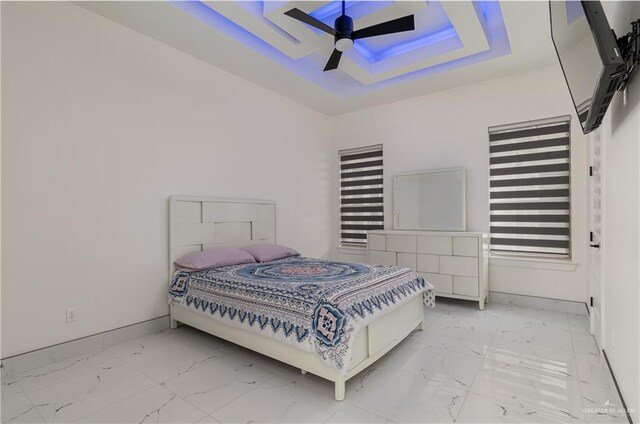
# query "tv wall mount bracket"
(629, 46)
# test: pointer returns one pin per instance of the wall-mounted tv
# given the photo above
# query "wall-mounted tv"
(589, 55)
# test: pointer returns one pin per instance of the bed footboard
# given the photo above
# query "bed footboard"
(372, 341)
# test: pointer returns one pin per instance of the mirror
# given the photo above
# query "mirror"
(430, 200)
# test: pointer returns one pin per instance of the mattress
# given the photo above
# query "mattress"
(312, 304)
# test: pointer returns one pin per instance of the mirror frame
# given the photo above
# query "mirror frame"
(462, 227)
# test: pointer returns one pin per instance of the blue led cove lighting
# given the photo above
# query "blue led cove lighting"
(333, 8)
(489, 15)
(358, 8)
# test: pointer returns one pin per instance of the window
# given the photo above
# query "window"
(361, 194)
(529, 170)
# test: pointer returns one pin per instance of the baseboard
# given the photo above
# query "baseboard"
(615, 383)
(577, 308)
(18, 364)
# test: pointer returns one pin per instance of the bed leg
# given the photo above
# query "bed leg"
(173, 324)
(420, 326)
(339, 388)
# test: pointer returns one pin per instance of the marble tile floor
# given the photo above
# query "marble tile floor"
(507, 363)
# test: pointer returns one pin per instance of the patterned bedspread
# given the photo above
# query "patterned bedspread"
(313, 304)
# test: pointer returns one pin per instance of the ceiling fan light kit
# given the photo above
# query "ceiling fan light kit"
(344, 35)
(344, 44)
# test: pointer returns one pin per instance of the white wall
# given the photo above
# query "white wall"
(621, 226)
(449, 129)
(100, 125)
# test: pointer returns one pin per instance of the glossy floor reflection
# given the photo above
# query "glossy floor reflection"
(507, 363)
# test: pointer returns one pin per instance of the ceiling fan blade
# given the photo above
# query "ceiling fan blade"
(405, 23)
(334, 60)
(310, 20)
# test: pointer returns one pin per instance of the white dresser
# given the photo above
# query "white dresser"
(455, 263)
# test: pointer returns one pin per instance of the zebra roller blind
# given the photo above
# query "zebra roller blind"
(529, 170)
(361, 194)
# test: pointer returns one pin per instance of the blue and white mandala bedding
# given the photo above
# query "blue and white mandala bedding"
(313, 304)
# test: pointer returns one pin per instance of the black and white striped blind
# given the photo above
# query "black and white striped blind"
(529, 170)
(361, 194)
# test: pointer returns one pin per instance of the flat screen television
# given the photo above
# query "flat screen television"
(589, 55)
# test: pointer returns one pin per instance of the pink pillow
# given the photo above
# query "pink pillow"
(214, 258)
(270, 252)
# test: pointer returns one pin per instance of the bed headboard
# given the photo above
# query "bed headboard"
(200, 223)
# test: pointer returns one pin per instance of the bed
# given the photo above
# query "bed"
(330, 318)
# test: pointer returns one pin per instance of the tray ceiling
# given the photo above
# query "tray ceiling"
(257, 41)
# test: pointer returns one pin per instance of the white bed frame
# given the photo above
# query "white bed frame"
(199, 223)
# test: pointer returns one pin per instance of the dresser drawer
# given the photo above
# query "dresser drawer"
(441, 282)
(401, 243)
(377, 257)
(458, 265)
(466, 286)
(428, 263)
(465, 246)
(377, 242)
(407, 260)
(435, 245)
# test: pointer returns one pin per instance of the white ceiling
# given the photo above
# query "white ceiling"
(287, 57)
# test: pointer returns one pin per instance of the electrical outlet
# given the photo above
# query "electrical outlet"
(72, 314)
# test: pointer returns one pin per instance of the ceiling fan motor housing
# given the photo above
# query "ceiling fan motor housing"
(344, 29)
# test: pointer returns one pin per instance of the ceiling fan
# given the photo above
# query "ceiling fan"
(343, 32)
